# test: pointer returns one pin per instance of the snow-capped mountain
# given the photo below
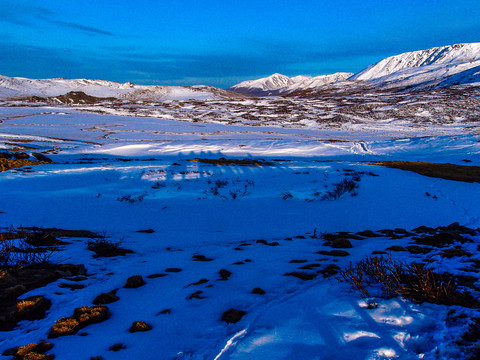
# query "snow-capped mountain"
(436, 67)
(445, 55)
(278, 84)
(12, 87)
(310, 83)
(266, 85)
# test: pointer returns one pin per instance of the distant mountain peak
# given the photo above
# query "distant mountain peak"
(277, 84)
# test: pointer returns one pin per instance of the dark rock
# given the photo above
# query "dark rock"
(71, 286)
(134, 282)
(341, 244)
(301, 275)
(155, 276)
(199, 282)
(415, 249)
(297, 261)
(117, 347)
(147, 231)
(333, 253)
(198, 257)
(396, 248)
(106, 298)
(368, 233)
(173, 270)
(224, 274)
(258, 291)
(196, 295)
(233, 316)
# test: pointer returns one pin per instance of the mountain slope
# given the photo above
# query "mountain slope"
(424, 67)
(264, 86)
(278, 84)
(14, 87)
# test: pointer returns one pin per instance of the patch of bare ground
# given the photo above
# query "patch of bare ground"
(464, 173)
(16, 281)
(31, 352)
(232, 162)
(82, 317)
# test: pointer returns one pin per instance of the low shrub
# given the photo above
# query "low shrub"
(412, 281)
(346, 186)
(103, 247)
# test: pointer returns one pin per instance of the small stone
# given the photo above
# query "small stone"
(233, 316)
(134, 282)
(258, 291)
(224, 274)
(106, 298)
(341, 244)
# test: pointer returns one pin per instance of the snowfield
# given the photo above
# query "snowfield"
(249, 226)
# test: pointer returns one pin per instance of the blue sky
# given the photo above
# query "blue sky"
(220, 43)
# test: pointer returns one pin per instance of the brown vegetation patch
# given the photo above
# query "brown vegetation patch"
(16, 281)
(103, 247)
(7, 164)
(444, 171)
(412, 281)
(31, 352)
(82, 317)
(140, 326)
(231, 162)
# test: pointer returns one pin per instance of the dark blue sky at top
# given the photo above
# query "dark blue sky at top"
(220, 43)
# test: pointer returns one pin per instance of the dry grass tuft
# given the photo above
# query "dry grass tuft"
(411, 281)
(444, 171)
(81, 318)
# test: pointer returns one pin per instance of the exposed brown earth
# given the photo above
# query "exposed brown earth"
(436, 170)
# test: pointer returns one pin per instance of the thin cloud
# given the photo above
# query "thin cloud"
(88, 29)
(32, 16)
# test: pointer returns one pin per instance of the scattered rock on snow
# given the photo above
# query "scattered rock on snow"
(233, 316)
(301, 275)
(224, 274)
(134, 282)
(258, 291)
(106, 298)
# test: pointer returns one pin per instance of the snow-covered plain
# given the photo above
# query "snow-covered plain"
(122, 168)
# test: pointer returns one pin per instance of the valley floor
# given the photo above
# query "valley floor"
(206, 230)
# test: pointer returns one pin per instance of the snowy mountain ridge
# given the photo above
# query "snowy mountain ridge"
(11, 87)
(278, 84)
(444, 55)
(435, 67)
